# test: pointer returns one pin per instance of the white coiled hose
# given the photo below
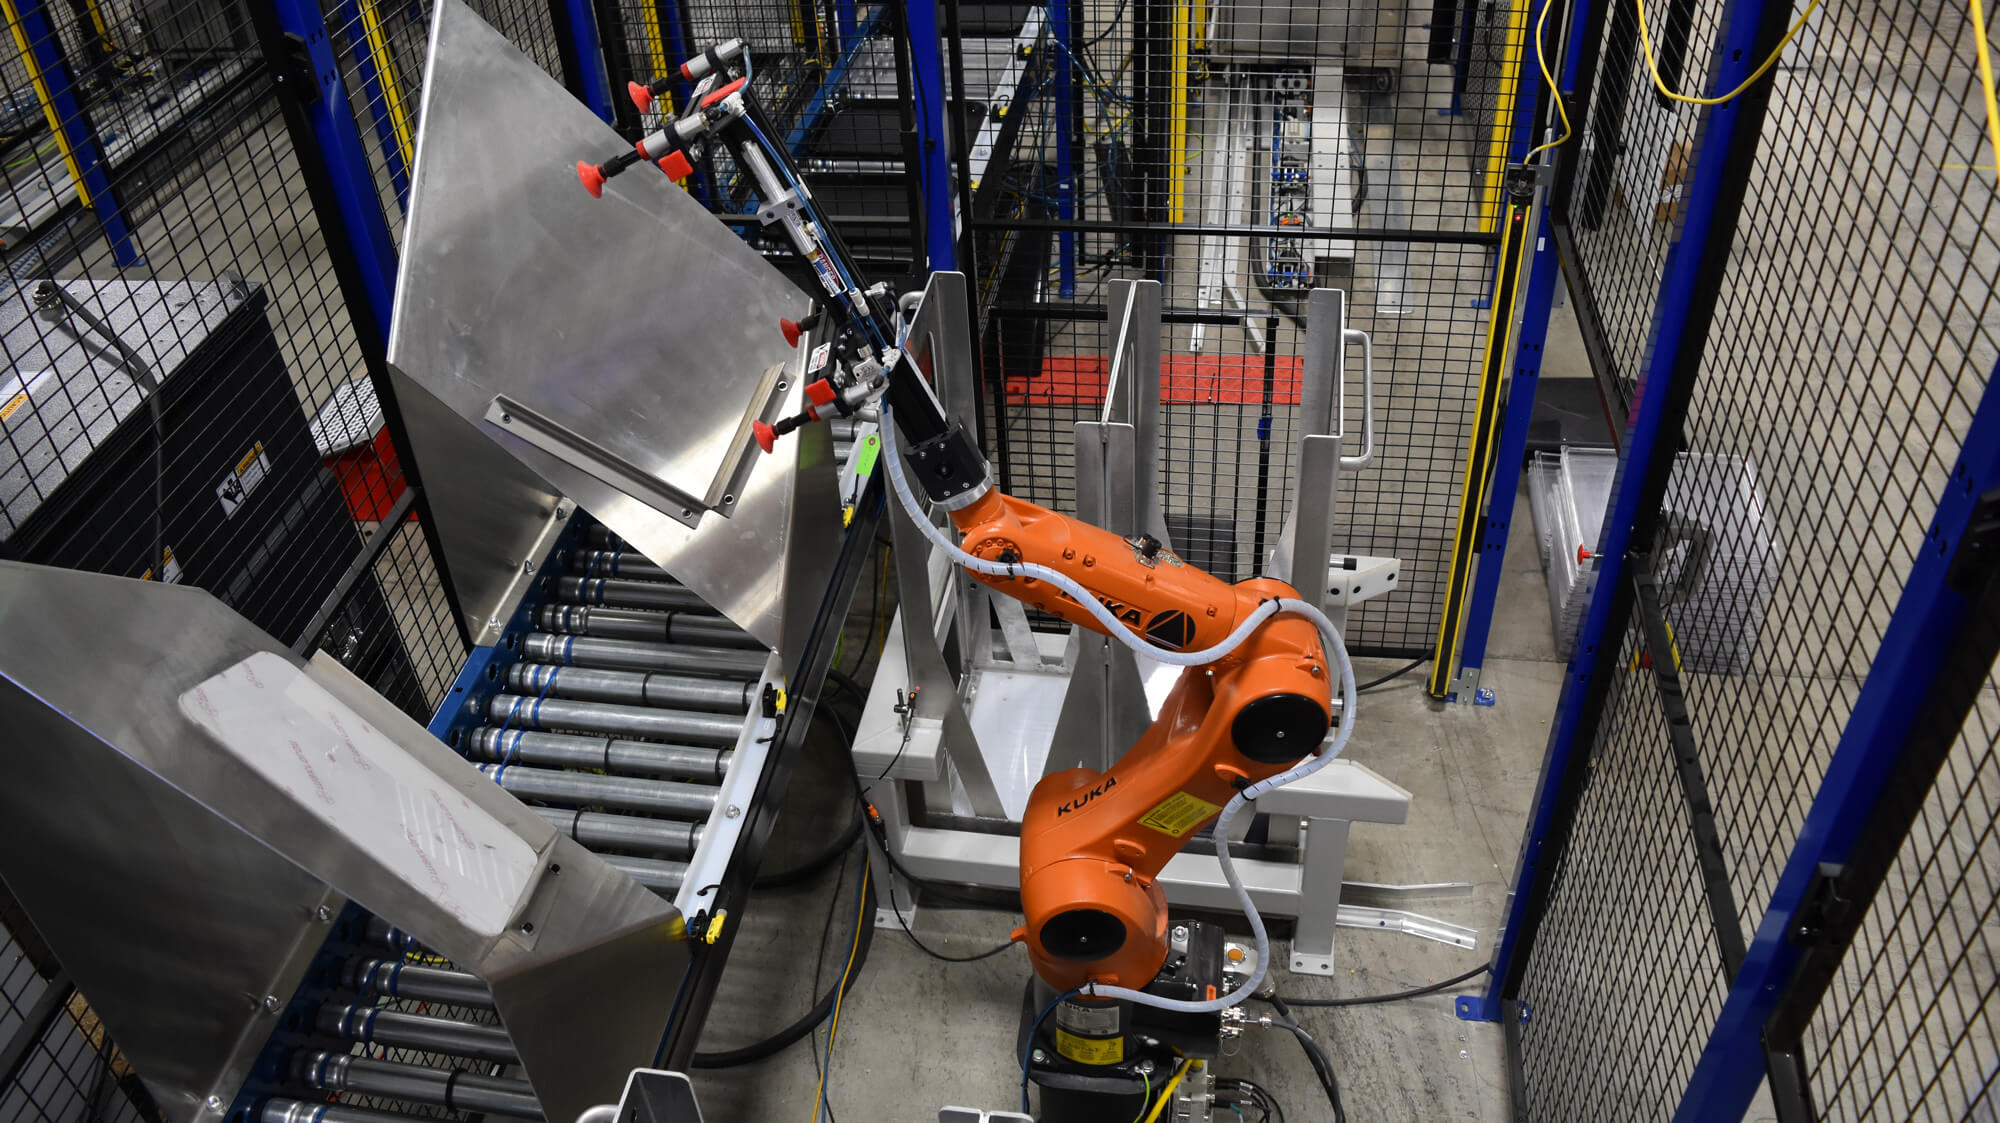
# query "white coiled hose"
(900, 483)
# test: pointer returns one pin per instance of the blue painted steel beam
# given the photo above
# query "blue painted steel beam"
(346, 159)
(78, 139)
(1533, 333)
(849, 28)
(1672, 357)
(583, 55)
(933, 135)
(1928, 619)
(1067, 100)
(378, 101)
(830, 85)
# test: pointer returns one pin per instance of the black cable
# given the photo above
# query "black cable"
(874, 611)
(926, 948)
(1392, 675)
(805, 870)
(819, 961)
(1397, 996)
(797, 1030)
(1321, 1063)
(1257, 1095)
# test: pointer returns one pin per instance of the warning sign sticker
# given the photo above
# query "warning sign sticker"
(1090, 1050)
(1180, 813)
(171, 572)
(238, 484)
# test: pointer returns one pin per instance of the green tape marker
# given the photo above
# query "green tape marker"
(870, 449)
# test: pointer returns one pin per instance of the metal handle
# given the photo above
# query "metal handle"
(1349, 335)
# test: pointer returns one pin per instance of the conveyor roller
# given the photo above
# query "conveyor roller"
(457, 1089)
(292, 1111)
(619, 593)
(655, 627)
(518, 712)
(642, 688)
(378, 1025)
(395, 978)
(608, 754)
(640, 655)
(659, 797)
(662, 838)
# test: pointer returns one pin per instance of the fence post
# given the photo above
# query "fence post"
(1530, 335)
(920, 23)
(334, 164)
(48, 72)
(1685, 307)
(1930, 667)
(582, 55)
(375, 66)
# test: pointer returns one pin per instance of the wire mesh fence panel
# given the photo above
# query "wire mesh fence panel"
(1852, 338)
(1626, 918)
(1910, 1028)
(66, 1070)
(1242, 155)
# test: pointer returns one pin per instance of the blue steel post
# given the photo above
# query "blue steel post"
(79, 140)
(920, 22)
(1682, 311)
(1065, 107)
(346, 158)
(375, 92)
(582, 55)
(1928, 619)
(1533, 332)
(844, 18)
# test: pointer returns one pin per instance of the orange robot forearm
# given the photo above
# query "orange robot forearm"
(1093, 844)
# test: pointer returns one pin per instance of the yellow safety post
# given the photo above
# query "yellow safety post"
(656, 49)
(47, 99)
(1503, 113)
(392, 86)
(1516, 241)
(1177, 120)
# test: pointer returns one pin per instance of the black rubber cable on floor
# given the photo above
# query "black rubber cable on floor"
(1395, 996)
(1392, 675)
(1321, 1063)
(812, 866)
(796, 1032)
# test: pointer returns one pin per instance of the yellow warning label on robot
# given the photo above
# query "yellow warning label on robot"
(1090, 1050)
(1179, 813)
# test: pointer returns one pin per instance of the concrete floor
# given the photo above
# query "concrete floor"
(917, 1034)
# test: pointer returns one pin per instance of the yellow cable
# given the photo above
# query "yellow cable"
(1986, 79)
(1653, 67)
(1166, 1092)
(1542, 65)
(833, 1030)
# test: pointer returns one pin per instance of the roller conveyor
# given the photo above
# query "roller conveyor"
(629, 726)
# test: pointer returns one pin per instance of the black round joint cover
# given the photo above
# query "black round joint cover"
(1083, 935)
(1278, 728)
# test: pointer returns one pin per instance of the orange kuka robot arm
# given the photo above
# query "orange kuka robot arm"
(1093, 843)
